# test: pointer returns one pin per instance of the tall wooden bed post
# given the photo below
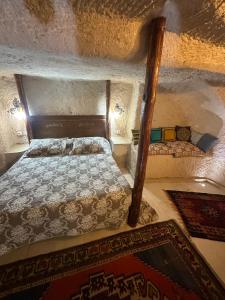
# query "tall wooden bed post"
(23, 100)
(157, 28)
(108, 96)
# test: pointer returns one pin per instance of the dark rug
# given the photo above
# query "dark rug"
(153, 262)
(203, 214)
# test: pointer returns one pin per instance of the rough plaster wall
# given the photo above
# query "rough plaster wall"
(197, 104)
(202, 107)
(190, 103)
(121, 93)
(216, 170)
(8, 124)
(61, 97)
(133, 120)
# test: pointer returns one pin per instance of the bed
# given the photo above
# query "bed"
(58, 194)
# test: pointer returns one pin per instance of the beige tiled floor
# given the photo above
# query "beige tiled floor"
(213, 251)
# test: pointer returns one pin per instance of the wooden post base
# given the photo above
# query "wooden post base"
(133, 216)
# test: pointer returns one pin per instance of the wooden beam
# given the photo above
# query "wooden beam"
(108, 97)
(23, 100)
(157, 28)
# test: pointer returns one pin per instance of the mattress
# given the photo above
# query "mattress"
(47, 197)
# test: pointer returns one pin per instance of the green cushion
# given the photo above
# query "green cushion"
(156, 135)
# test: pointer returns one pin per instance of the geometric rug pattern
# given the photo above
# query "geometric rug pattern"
(203, 214)
(153, 262)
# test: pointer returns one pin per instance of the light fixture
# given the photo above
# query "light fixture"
(17, 110)
(117, 111)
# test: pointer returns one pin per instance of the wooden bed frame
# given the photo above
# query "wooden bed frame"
(58, 126)
(67, 126)
(81, 126)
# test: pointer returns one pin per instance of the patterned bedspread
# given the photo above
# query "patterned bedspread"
(46, 197)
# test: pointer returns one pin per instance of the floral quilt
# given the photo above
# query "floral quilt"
(46, 197)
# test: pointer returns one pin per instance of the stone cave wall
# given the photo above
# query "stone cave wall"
(201, 106)
(65, 97)
(216, 171)
(8, 124)
(121, 93)
(197, 104)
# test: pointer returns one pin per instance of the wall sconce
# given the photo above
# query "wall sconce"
(118, 111)
(17, 110)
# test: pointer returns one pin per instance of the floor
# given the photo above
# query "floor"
(213, 251)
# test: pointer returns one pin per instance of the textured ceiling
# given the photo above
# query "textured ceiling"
(110, 8)
(107, 39)
(203, 19)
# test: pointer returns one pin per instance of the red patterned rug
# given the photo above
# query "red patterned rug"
(203, 214)
(153, 262)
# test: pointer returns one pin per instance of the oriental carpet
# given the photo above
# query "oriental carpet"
(203, 214)
(153, 262)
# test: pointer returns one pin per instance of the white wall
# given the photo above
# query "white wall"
(216, 170)
(65, 97)
(121, 93)
(8, 124)
(201, 106)
(189, 103)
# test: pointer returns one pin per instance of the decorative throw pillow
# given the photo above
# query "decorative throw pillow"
(168, 134)
(90, 145)
(156, 135)
(46, 147)
(183, 133)
(195, 137)
(207, 142)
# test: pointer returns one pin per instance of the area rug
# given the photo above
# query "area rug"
(203, 214)
(153, 262)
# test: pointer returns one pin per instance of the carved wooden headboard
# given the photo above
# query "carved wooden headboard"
(45, 126)
(68, 126)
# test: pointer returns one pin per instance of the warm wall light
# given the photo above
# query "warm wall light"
(20, 115)
(118, 111)
(17, 110)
